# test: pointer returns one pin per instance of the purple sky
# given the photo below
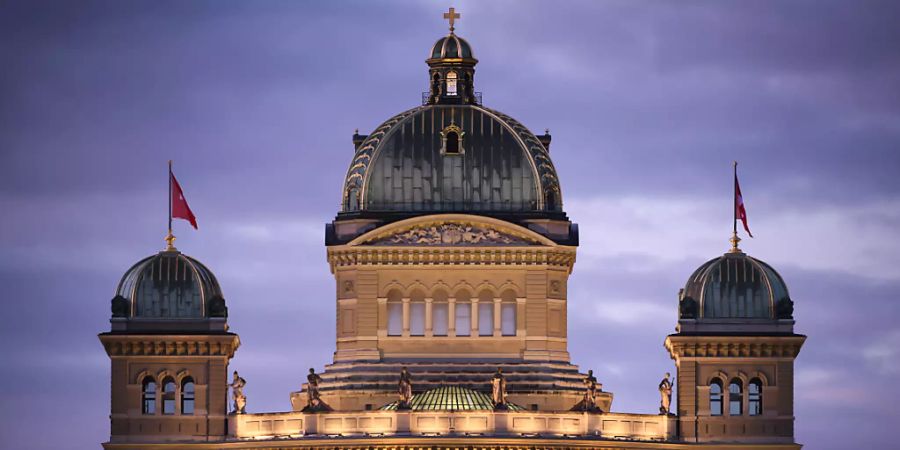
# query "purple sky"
(647, 102)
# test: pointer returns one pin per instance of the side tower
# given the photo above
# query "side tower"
(169, 347)
(451, 254)
(734, 350)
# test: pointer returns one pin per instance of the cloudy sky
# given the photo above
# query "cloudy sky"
(648, 103)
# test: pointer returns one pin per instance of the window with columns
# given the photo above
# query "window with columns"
(187, 396)
(442, 315)
(168, 396)
(754, 397)
(735, 398)
(148, 396)
(395, 313)
(463, 314)
(417, 314)
(508, 309)
(715, 397)
(485, 313)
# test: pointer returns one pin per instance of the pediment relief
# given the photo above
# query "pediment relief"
(452, 234)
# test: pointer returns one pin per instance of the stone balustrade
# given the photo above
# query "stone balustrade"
(443, 423)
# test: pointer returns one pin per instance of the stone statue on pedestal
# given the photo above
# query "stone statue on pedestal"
(665, 394)
(314, 402)
(237, 393)
(498, 390)
(404, 389)
(590, 391)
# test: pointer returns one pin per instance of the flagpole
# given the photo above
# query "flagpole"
(170, 238)
(734, 237)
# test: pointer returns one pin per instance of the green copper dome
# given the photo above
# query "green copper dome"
(735, 286)
(169, 285)
(451, 398)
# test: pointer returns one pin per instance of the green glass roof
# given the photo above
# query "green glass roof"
(450, 398)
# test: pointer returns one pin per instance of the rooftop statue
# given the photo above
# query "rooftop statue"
(404, 389)
(314, 402)
(665, 394)
(237, 393)
(498, 390)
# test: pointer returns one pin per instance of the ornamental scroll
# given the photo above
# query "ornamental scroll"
(451, 234)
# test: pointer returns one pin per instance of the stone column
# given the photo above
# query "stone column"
(497, 317)
(473, 314)
(405, 317)
(451, 319)
(429, 321)
(520, 317)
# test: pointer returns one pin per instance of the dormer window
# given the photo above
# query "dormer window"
(451, 83)
(452, 140)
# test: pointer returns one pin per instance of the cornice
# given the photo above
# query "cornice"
(223, 345)
(343, 256)
(692, 346)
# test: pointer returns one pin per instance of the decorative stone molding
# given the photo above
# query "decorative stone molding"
(145, 345)
(734, 346)
(447, 234)
(523, 256)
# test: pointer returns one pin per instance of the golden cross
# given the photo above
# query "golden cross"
(451, 15)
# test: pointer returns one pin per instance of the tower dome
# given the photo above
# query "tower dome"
(735, 286)
(168, 285)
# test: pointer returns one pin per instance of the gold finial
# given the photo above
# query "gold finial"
(451, 15)
(734, 243)
(170, 242)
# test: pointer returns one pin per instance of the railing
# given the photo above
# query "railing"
(431, 423)
(426, 96)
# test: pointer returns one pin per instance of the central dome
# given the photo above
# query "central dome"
(452, 158)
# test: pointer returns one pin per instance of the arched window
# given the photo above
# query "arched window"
(417, 314)
(715, 397)
(463, 314)
(508, 313)
(451, 83)
(735, 398)
(394, 313)
(754, 397)
(440, 313)
(485, 313)
(148, 396)
(187, 395)
(168, 396)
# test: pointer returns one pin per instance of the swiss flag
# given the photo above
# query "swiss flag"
(180, 208)
(739, 211)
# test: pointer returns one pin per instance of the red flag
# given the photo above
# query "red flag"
(739, 211)
(180, 208)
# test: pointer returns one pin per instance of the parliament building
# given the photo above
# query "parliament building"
(451, 255)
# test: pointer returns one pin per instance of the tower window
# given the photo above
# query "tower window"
(440, 314)
(168, 396)
(148, 396)
(735, 398)
(451, 83)
(187, 396)
(754, 397)
(715, 398)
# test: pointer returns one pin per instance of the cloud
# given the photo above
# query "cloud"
(884, 353)
(857, 239)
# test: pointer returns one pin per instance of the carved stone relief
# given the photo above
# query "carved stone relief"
(451, 234)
